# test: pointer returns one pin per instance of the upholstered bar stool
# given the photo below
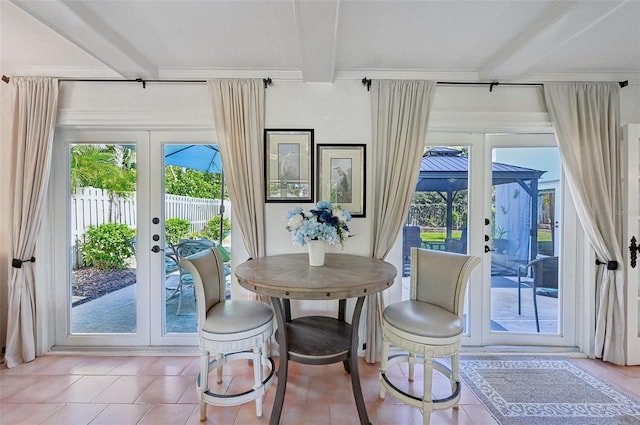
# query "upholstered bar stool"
(228, 330)
(428, 326)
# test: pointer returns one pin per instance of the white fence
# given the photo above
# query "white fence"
(90, 206)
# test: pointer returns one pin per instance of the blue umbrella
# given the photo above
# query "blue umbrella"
(197, 157)
(201, 158)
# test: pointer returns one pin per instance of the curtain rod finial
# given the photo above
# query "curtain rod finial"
(5, 79)
(624, 83)
(367, 82)
(267, 82)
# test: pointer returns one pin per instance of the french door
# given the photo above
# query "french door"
(502, 199)
(115, 282)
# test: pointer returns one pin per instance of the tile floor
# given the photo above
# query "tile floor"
(156, 390)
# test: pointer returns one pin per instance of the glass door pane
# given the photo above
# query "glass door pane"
(526, 290)
(103, 278)
(192, 199)
(438, 212)
(185, 197)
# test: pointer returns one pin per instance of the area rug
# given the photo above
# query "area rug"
(545, 391)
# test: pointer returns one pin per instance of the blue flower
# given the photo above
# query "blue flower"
(325, 222)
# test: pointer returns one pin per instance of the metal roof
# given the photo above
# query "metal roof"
(443, 169)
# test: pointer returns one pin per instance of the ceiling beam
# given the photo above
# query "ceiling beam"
(82, 27)
(560, 24)
(317, 25)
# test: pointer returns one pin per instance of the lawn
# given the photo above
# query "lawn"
(439, 236)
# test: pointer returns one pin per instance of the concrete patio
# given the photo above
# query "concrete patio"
(116, 311)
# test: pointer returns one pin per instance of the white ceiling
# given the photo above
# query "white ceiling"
(323, 40)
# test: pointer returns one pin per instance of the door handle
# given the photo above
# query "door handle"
(156, 249)
(633, 249)
(487, 249)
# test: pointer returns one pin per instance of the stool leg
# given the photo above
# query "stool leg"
(427, 398)
(220, 363)
(257, 377)
(412, 366)
(383, 365)
(204, 383)
(266, 353)
(455, 374)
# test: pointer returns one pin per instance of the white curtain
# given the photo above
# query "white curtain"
(586, 117)
(400, 114)
(238, 115)
(34, 102)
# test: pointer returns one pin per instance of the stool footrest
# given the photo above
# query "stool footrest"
(216, 399)
(412, 400)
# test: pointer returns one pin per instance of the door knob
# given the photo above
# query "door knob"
(155, 248)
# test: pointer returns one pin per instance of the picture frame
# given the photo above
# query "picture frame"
(341, 176)
(288, 165)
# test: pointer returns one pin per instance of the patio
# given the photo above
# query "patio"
(115, 312)
(504, 307)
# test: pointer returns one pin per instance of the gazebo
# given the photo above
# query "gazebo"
(444, 170)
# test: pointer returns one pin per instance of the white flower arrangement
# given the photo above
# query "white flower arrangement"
(326, 223)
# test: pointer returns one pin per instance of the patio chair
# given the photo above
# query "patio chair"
(428, 326)
(544, 274)
(410, 238)
(181, 250)
(228, 330)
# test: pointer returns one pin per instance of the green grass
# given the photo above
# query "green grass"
(439, 236)
(543, 236)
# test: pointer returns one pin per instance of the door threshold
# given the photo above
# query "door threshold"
(573, 352)
(124, 351)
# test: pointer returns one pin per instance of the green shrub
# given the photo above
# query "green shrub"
(212, 229)
(176, 229)
(108, 246)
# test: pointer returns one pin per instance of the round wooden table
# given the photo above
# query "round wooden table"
(316, 339)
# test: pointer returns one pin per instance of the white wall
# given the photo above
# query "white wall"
(339, 113)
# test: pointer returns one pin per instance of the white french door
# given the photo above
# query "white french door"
(175, 326)
(129, 305)
(499, 200)
(528, 292)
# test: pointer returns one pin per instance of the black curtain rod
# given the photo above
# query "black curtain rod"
(367, 82)
(266, 81)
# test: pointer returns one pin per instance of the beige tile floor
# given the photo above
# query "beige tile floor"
(156, 390)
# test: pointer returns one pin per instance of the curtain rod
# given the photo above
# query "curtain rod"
(266, 81)
(367, 82)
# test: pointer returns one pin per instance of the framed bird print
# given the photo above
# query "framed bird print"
(341, 176)
(288, 167)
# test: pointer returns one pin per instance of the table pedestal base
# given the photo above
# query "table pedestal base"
(317, 340)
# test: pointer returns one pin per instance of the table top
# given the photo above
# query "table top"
(291, 276)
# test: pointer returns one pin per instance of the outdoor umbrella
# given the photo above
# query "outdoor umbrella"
(204, 158)
(197, 157)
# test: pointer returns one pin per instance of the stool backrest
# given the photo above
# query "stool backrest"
(207, 270)
(440, 277)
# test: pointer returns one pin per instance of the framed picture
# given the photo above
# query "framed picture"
(288, 157)
(341, 176)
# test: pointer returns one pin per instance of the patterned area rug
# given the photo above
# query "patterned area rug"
(545, 391)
